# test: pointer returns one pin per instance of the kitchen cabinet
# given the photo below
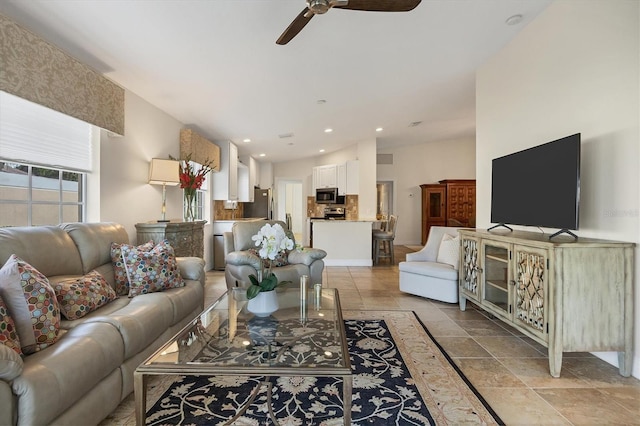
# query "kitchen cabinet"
(325, 177)
(569, 296)
(343, 176)
(225, 182)
(353, 177)
(186, 238)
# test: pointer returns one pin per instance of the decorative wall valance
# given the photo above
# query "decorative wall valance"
(200, 149)
(34, 69)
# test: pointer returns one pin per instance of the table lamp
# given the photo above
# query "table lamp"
(164, 172)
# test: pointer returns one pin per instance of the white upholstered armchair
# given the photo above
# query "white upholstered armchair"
(433, 271)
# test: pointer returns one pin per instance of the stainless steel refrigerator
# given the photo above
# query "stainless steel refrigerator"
(262, 205)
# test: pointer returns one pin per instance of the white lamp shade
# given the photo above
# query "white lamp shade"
(163, 171)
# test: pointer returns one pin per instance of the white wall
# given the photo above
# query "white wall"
(573, 69)
(126, 197)
(414, 165)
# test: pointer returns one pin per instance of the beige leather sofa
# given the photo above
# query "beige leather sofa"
(240, 263)
(83, 376)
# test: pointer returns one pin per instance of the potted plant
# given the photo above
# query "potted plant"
(261, 294)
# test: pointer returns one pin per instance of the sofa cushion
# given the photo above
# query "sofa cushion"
(432, 269)
(57, 377)
(119, 271)
(49, 249)
(151, 271)
(79, 296)
(31, 303)
(8, 334)
(93, 241)
(449, 250)
(140, 322)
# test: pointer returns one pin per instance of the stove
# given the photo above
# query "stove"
(335, 213)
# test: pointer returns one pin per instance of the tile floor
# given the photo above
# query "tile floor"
(508, 369)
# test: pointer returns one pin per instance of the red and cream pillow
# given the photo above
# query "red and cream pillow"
(151, 270)
(32, 304)
(120, 274)
(79, 296)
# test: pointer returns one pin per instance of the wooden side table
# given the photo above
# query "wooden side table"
(187, 238)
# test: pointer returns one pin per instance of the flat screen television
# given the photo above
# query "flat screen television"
(539, 186)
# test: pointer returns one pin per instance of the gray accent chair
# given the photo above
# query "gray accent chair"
(240, 263)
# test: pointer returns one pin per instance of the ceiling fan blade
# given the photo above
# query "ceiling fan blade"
(381, 5)
(295, 26)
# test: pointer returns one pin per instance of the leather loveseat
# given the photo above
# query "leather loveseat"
(240, 262)
(88, 371)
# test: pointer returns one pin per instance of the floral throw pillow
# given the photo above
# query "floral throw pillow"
(8, 333)
(79, 296)
(120, 274)
(280, 260)
(31, 303)
(153, 270)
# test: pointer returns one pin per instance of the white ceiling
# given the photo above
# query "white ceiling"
(214, 65)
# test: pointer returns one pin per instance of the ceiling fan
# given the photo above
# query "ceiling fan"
(318, 7)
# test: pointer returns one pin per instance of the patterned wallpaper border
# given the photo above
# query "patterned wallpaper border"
(34, 69)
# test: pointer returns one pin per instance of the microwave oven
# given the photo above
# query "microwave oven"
(326, 195)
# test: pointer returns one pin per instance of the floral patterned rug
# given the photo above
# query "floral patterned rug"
(401, 377)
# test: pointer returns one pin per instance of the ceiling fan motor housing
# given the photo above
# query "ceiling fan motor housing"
(318, 6)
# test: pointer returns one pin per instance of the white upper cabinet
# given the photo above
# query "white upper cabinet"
(344, 176)
(225, 182)
(247, 178)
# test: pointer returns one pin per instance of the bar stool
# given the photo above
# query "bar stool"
(383, 241)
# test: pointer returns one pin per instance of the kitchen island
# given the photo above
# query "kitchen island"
(347, 242)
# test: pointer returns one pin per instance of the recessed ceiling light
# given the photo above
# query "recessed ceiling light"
(263, 155)
(246, 140)
(328, 130)
(322, 150)
(379, 129)
(514, 20)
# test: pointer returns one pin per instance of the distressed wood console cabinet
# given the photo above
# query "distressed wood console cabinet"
(570, 296)
(186, 238)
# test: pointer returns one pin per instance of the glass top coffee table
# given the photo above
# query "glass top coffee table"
(227, 340)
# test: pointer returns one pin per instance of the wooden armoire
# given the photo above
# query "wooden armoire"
(450, 202)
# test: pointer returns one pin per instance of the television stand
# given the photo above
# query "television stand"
(564, 231)
(499, 225)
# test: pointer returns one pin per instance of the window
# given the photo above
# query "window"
(34, 195)
(44, 158)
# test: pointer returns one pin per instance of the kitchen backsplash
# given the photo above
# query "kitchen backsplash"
(350, 205)
(220, 213)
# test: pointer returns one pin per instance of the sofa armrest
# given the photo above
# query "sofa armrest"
(191, 268)
(11, 364)
(306, 256)
(239, 258)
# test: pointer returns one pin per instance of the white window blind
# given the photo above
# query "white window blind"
(33, 134)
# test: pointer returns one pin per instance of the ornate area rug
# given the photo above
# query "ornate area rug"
(401, 377)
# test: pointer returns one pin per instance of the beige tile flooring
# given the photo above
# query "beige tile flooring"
(508, 369)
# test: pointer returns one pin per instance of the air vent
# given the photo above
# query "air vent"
(384, 159)
(285, 135)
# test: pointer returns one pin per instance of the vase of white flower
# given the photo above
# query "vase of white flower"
(272, 240)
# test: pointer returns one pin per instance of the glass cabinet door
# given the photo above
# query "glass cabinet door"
(495, 288)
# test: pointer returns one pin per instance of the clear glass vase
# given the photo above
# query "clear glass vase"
(189, 207)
